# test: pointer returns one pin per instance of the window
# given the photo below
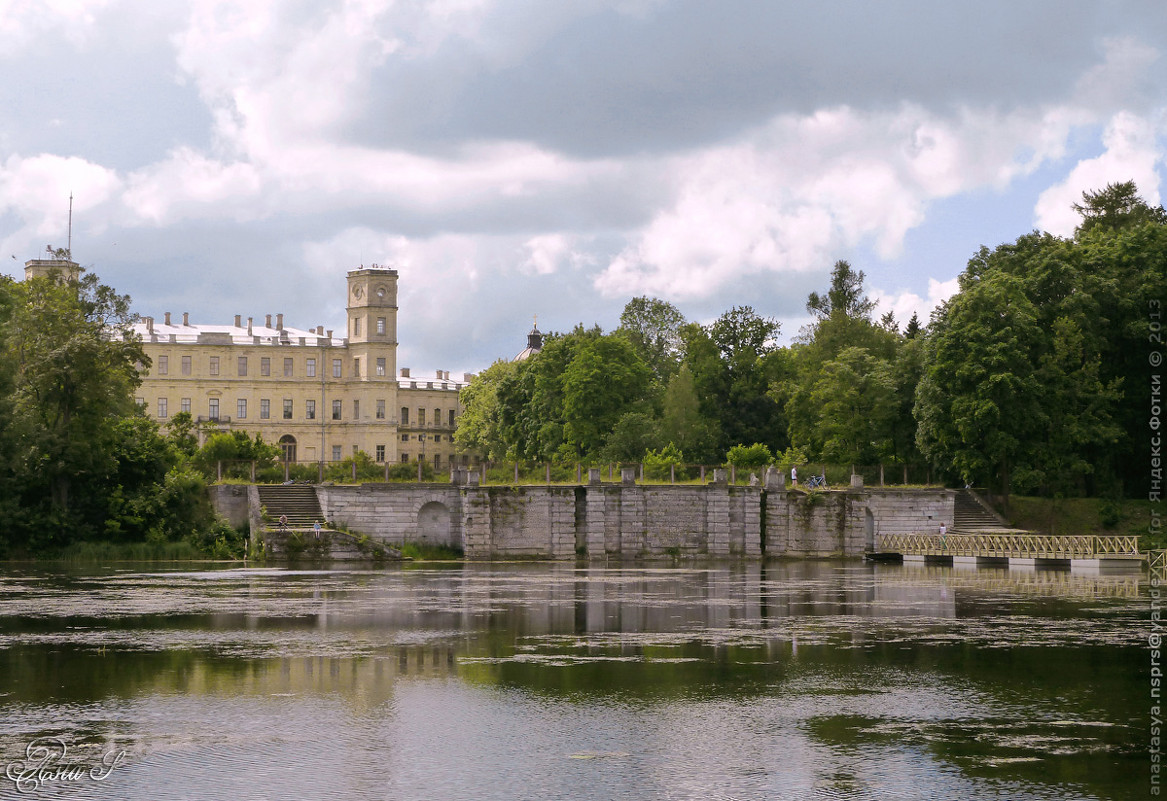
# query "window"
(356, 326)
(186, 365)
(336, 410)
(287, 408)
(421, 417)
(213, 412)
(163, 365)
(380, 325)
(381, 409)
(214, 365)
(405, 457)
(404, 415)
(380, 453)
(437, 437)
(242, 366)
(141, 402)
(356, 368)
(310, 409)
(381, 365)
(265, 365)
(437, 459)
(336, 368)
(437, 417)
(405, 438)
(310, 368)
(184, 405)
(162, 408)
(356, 410)
(336, 453)
(241, 408)
(264, 408)
(356, 450)
(287, 368)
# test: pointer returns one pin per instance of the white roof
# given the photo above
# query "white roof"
(237, 335)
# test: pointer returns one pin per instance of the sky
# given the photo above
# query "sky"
(513, 158)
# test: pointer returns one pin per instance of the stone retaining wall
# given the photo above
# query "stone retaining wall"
(623, 520)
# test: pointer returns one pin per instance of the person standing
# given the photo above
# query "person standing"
(793, 475)
(316, 529)
(943, 532)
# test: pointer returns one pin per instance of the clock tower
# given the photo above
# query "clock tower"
(372, 323)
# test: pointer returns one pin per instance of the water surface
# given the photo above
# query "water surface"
(803, 680)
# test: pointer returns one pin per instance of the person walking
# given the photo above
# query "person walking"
(283, 522)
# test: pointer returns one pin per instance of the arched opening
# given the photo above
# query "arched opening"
(435, 524)
(288, 446)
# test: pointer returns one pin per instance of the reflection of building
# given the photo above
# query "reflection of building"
(318, 395)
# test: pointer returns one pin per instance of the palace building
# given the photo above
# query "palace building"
(319, 396)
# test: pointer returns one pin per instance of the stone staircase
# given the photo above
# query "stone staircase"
(297, 501)
(973, 516)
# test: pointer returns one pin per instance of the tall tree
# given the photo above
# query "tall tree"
(1115, 207)
(653, 326)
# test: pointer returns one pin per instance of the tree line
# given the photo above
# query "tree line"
(1034, 377)
(79, 461)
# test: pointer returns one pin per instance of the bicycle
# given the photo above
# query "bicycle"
(817, 482)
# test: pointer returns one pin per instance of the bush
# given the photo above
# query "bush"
(756, 455)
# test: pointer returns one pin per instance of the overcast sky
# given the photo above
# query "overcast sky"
(559, 157)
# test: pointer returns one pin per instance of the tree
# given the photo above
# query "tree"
(653, 326)
(72, 362)
(844, 297)
(480, 424)
(682, 422)
(604, 380)
(1115, 207)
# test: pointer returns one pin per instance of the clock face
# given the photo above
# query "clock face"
(380, 291)
(357, 292)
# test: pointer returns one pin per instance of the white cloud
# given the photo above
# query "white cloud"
(904, 303)
(24, 22)
(1133, 148)
(793, 195)
(36, 190)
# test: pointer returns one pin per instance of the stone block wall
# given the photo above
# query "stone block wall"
(910, 511)
(230, 502)
(397, 513)
(621, 520)
(814, 524)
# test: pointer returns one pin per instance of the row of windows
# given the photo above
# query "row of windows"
(421, 416)
(265, 409)
(162, 366)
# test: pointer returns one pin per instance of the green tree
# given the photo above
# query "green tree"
(1115, 207)
(480, 425)
(70, 361)
(605, 379)
(653, 326)
(682, 421)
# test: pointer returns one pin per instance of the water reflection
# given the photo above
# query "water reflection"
(787, 680)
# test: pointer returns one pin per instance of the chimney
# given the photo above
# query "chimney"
(328, 333)
(150, 324)
(267, 321)
(238, 321)
(405, 372)
(249, 322)
(280, 321)
(186, 319)
(467, 377)
(167, 318)
(319, 330)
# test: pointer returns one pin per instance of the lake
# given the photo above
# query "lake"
(790, 680)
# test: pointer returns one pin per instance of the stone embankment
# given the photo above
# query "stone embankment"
(609, 520)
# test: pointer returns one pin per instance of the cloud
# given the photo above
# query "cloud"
(904, 303)
(1133, 147)
(36, 191)
(795, 193)
(24, 23)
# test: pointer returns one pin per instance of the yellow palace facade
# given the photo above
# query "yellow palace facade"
(318, 395)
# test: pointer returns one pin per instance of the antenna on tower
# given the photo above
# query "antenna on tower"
(69, 244)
